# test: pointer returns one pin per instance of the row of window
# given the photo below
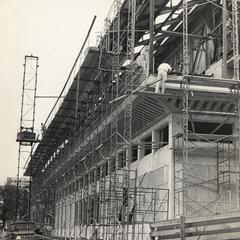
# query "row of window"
(145, 147)
(158, 139)
(161, 140)
(87, 210)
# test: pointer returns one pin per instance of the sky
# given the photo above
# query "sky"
(53, 30)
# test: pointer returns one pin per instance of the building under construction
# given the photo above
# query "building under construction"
(128, 154)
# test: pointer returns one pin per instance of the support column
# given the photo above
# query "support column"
(224, 40)
(155, 140)
(171, 176)
(151, 31)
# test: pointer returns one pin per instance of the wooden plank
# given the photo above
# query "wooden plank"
(213, 232)
(194, 222)
(213, 222)
(190, 227)
(196, 232)
(166, 223)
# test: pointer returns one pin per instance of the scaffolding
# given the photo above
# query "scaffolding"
(224, 148)
(97, 193)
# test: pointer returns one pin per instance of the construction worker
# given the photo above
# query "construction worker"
(163, 70)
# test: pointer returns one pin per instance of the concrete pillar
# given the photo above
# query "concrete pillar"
(151, 40)
(155, 140)
(140, 151)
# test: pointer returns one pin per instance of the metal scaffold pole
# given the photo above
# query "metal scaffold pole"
(236, 74)
(128, 108)
(235, 37)
(224, 42)
(113, 177)
(185, 92)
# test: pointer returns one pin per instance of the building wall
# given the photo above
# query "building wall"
(160, 169)
(207, 192)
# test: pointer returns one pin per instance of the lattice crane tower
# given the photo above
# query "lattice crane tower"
(26, 135)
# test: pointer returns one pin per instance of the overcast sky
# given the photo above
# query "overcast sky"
(53, 30)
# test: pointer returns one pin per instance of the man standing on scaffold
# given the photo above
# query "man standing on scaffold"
(163, 70)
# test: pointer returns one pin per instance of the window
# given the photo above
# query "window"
(60, 194)
(105, 169)
(91, 211)
(210, 128)
(86, 180)
(80, 183)
(113, 165)
(122, 159)
(74, 186)
(76, 214)
(70, 189)
(77, 185)
(98, 173)
(163, 137)
(134, 153)
(97, 211)
(147, 145)
(91, 176)
(84, 211)
(80, 211)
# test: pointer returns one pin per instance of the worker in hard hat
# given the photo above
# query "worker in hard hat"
(163, 70)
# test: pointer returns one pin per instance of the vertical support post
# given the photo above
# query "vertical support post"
(128, 108)
(171, 177)
(224, 42)
(218, 170)
(235, 39)
(182, 228)
(236, 74)
(185, 38)
(185, 90)
(30, 187)
(151, 31)
(17, 188)
(238, 149)
(112, 208)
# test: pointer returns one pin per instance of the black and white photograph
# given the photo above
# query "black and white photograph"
(120, 120)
